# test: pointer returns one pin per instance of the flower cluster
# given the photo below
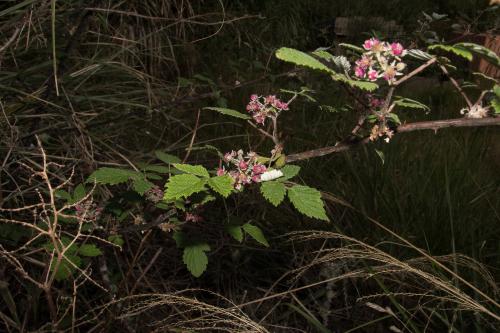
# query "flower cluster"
(381, 60)
(380, 131)
(88, 211)
(476, 112)
(193, 217)
(243, 169)
(261, 107)
(374, 102)
(154, 194)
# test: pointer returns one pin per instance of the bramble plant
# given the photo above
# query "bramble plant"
(378, 70)
(370, 74)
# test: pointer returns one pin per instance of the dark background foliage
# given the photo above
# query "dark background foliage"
(132, 76)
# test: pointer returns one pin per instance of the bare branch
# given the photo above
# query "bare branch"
(417, 126)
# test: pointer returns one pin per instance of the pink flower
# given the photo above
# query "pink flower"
(270, 99)
(364, 62)
(370, 43)
(256, 178)
(376, 102)
(254, 97)
(221, 172)
(253, 106)
(397, 49)
(229, 156)
(283, 106)
(243, 178)
(359, 72)
(372, 75)
(243, 165)
(193, 218)
(259, 168)
(259, 118)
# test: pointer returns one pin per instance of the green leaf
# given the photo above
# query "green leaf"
(461, 52)
(419, 54)
(167, 158)
(116, 239)
(352, 47)
(496, 90)
(180, 239)
(79, 193)
(410, 103)
(363, 85)
(394, 117)
(153, 176)
(62, 245)
(308, 201)
(496, 105)
(197, 170)
(482, 51)
(183, 186)
(89, 250)
(255, 233)
(235, 231)
(141, 185)
(111, 176)
(380, 155)
(289, 171)
(157, 168)
(195, 258)
(302, 59)
(229, 112)
(274, 192)
(222, 185)
(323, 54)
(62, 194)
(65, 268)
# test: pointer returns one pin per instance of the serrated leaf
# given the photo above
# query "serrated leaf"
(208, 198)
(461, 52)
(410, 103)
(116, 239)
(308, 201)
(195, 258)
(222, 185)
(111, 176)
(167, 158)
(482, 51)
(323, 54)
(229, 112)
(197, 170)
(363, 85)
(273, 191)
(302, 59)
(255, 233)
(289, 171)
(183, 186)
(89, 250)
(141, 185)
(235, 231)
(418, 54)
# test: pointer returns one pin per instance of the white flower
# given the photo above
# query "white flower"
(476, 112)
(271, 175)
